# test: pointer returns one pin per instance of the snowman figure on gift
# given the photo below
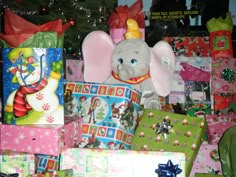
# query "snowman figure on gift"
(35, 101)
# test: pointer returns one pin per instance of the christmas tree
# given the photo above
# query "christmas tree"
(84, 15)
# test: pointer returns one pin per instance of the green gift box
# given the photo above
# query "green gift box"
(166, 131)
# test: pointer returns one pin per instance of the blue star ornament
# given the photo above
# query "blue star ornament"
(168, 170)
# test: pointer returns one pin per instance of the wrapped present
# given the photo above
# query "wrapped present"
(167, 131)
(207, 175)
(109, 112)
(223, 75)
(191, 87)
(22, 33)
(9, 175)
(58, 173)
(224, 103)
(220, 30)
(0, 110)
(33, 86)
(46, 163)
(118, 18)
(190, 46)
(125, 163)
(217, 125)
(41, 139)
(185, 70)
(207, 160)
(74, 70)
(17, 162)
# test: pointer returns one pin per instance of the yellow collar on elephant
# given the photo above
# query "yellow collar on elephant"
(135, 80)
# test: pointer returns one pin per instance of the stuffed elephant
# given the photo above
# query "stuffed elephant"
(131, 61)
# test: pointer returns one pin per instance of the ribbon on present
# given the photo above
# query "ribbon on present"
(164, 127)
(119, 16)
(168, 170)
(17, 29)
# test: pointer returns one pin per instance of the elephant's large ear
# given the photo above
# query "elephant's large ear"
(162, 67)
(97, 49)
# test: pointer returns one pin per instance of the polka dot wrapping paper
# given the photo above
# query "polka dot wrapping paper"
(165, 131)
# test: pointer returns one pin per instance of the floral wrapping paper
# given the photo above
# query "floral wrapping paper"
(117, 163)
(17, 162)
(207, 160)
(165, 131)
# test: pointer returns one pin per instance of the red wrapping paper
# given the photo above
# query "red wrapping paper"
(18, 28)
(120, 15)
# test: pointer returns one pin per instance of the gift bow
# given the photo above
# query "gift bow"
(168, 170)
(15, 27)
(119, 16)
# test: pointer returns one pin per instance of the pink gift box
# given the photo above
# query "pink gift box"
(221, 84)
(44, 139)
(207, 160)
(217, 125)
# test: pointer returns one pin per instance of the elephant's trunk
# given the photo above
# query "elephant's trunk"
(125, 72)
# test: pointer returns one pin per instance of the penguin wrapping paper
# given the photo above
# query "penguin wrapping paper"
(109, 112)
(121, 163)
(33, 86)
(41, 139)
(17, 162)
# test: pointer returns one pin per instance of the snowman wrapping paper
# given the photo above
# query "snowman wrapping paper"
(33, 86)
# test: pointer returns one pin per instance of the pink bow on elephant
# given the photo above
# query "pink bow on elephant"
(131, 61)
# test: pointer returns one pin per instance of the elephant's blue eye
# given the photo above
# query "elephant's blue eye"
(120, 60)
(133, 62)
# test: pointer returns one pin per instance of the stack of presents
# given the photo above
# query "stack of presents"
(125, 110)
